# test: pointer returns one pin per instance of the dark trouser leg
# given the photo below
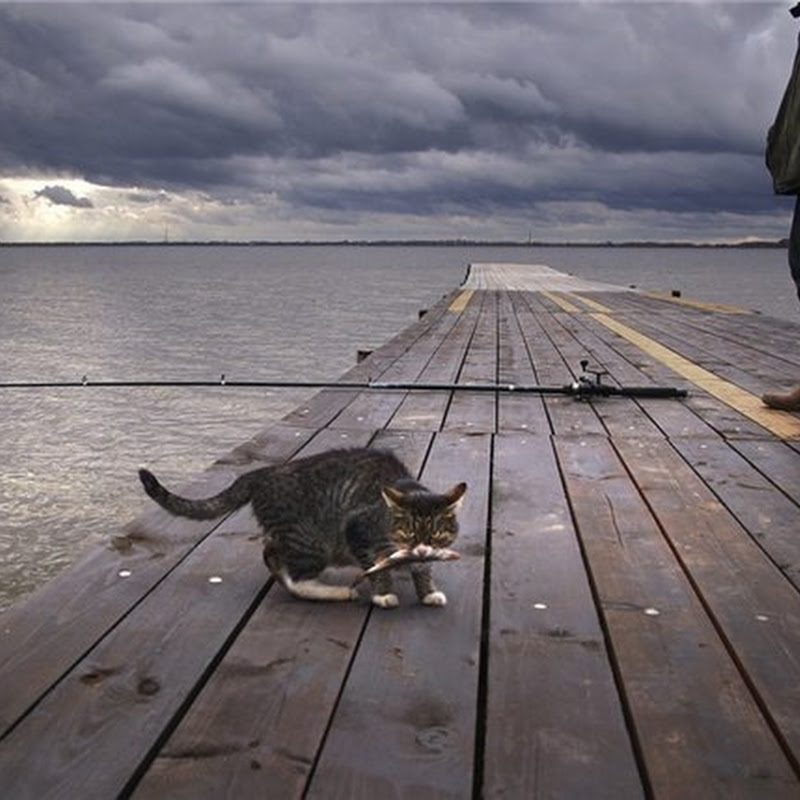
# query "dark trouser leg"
(790, 400)
(794, 247)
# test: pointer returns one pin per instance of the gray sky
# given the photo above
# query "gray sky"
(562, 121)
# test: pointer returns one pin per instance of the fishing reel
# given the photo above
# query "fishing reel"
(590, 382)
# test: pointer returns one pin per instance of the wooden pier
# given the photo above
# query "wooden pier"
(624, 621)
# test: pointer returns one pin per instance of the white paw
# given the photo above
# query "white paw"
(435, 599)
(385, 600)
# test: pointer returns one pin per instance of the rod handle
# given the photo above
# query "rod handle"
(651, 391)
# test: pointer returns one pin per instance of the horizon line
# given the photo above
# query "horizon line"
(450, 242)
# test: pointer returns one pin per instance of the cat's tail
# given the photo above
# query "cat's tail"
(235, 496)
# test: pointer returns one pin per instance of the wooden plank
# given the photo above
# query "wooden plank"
(255, 729)
(620, 416)
(405, 724)
(677, 418)
(426, 410)
(542, 334)
(321, 409)
(748, 355)
(130, 688)
(556, 360)
(738, 372)
(370, 410)
(727, 407)
(90, 733)
(768, 515)
(516, 411)
(724, 420)
(695, 718)
(627, 365)
(657, 371)
(777, 460)
(775, 339)
(473, 412)
(727, 357)
(554, 721)
(42, 637)
(753, 605)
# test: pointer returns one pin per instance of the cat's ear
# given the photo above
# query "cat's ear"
(455, 496)
(393, 497)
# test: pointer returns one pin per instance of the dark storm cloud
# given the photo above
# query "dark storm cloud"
(61, 196)
(414, 108)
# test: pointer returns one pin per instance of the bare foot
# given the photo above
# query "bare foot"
(785, 401)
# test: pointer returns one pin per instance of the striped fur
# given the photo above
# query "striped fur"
(335, 508)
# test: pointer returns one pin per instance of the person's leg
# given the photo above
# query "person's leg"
(790, 400)
(794, 247)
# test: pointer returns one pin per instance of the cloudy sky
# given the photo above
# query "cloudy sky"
(560, 121)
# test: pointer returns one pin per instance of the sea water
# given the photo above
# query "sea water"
(163, 313)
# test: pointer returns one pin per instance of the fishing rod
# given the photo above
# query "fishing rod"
(588, 385)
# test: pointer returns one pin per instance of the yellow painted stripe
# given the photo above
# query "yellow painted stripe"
(781, 423)
(460, 303)
(561, 302)
(705, 305)
(593, 304)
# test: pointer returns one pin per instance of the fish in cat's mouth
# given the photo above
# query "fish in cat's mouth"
(406, 555)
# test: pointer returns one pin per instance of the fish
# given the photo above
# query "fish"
(422, 552)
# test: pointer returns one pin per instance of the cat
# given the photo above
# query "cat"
(337, 508)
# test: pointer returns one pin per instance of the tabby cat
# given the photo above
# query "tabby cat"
(336, 508)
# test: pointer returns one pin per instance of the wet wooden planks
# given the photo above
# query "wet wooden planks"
(554, 723)
(624, 621)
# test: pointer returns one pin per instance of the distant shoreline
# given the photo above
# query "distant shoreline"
(780, 243)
